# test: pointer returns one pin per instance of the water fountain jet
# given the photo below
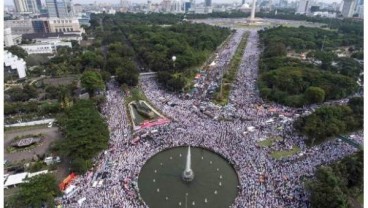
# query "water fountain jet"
(188, 174)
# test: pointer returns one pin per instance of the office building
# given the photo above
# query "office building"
(19, 27)
(303, 7)
(348, 8)
(64, 25)
(22, 6)
(60, 8)
(208, 3)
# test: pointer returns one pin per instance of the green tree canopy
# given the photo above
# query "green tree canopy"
(127, 73)
(40, 190)
(92, 81)
(86, 134)
(314, 95)
(326, 191)
(18, 51)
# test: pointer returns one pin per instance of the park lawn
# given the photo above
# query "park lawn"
(286, 153)
(360, 198)
(268, 142)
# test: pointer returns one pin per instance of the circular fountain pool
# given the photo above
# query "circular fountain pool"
(161, 183)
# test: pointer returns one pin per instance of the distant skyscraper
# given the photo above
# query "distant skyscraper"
(39, 4)
(20, 5)
(59, 8)
(208, 3)
(348, 8)
(303, 6)
(243, 2)
(32, 6)
(26, 6)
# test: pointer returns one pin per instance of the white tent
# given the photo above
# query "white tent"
(15, 179)
(81, 200)
(30, 175)
(19, 178)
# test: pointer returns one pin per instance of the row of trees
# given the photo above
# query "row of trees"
(330, 121)
(85, 135)
(335, 185)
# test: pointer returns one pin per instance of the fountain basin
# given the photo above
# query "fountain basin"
(161, 181)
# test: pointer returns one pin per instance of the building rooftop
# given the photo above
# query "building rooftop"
(31, 36)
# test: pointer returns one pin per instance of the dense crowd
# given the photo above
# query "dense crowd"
(264, 181)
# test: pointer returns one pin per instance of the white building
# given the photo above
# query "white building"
(45, 48)
(303, 7)
(8, 38)
(348, 8)
(325, 14)
(19, 27)
(12, 63)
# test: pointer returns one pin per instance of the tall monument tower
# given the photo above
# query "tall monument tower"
(253, 13)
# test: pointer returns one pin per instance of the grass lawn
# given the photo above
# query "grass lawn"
(360, 198)
(268, 142)
(281, 154)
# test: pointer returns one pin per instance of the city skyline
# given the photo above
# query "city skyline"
(11, 2)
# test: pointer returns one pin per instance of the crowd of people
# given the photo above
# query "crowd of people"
(263, 181)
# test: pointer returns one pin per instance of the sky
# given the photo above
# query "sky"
(10, 2)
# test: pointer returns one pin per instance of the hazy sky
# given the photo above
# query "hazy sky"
(10, 2)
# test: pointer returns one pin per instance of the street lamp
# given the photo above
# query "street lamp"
(173, 59)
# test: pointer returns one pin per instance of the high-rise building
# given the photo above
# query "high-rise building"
(348, 8)
(303, 7)
(243, 2)
(39, 4)
(59, 8)
(208, 3)
(20, 5)
(26, 6)
(32, 6)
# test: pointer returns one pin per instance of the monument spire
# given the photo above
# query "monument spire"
(188, 174)
(252, 14)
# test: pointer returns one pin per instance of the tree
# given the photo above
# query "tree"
(86, 134)
(127, 74)
(17, 94)
(18, 51)
(39, 191)
(30, 90)
(92, 81)
(314, 95)
(276, 49)
(326, 191)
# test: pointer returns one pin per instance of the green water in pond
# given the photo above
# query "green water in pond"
(214, 185)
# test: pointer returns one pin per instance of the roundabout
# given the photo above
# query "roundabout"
(213, 184)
